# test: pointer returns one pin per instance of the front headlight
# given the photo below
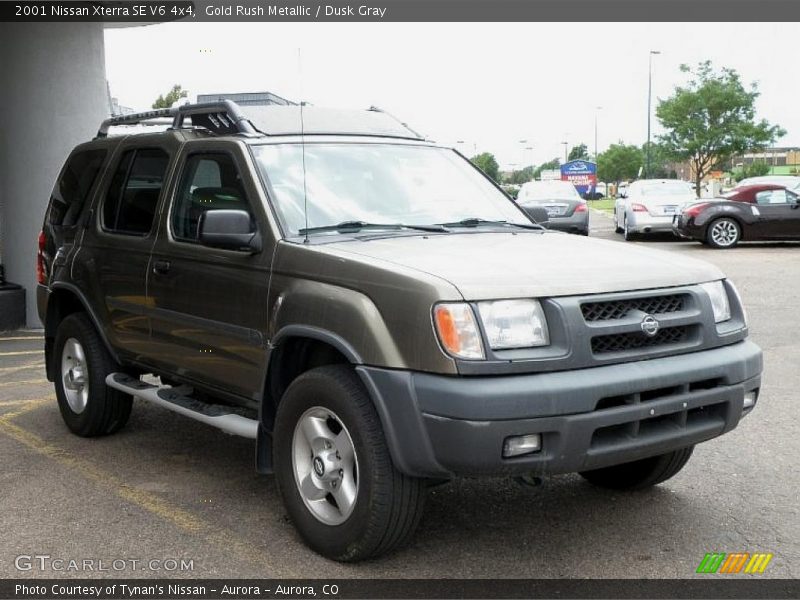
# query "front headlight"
(719, 300)
(514, 324)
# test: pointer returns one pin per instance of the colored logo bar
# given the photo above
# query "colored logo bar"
(736, 562)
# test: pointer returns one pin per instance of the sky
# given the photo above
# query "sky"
(475, 86)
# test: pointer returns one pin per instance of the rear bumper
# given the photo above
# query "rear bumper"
(438, 426)
(575, 223)
(687, 229)
(640, 222)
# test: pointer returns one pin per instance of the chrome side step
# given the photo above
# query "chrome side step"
(221, 417)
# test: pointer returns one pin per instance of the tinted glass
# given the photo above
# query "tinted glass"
(133, 196)
(73, 187)
(209, 182)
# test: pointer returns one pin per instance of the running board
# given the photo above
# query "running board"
(221, 417)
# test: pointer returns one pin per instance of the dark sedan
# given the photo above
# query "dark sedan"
(759, 212)
(565, 209)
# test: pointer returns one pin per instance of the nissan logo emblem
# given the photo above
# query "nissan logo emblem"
(650, 326)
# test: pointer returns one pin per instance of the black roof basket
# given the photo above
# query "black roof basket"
(222, 118)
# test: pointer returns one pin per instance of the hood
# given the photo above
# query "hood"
(487, 265)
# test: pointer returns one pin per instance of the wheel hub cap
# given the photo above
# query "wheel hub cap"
(74, 375)
(325, 465)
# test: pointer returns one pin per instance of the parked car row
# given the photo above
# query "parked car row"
(759, 208)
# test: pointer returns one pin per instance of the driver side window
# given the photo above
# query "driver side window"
(772, 197)
(208, 182)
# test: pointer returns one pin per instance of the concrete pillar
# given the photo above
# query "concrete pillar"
(52, 96)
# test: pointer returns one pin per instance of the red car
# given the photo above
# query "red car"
(753, 212)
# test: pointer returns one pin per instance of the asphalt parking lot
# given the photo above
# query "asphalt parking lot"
(169, 488)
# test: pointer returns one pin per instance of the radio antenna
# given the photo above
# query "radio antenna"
(303, 143)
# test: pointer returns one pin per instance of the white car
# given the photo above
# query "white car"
(649, 205)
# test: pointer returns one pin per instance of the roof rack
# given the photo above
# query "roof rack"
(378, 109)
(222, 118)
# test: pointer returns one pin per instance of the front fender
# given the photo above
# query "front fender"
(346, 319)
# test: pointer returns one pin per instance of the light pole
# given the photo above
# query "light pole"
(649, 100)
(565, 144)
(597, 109)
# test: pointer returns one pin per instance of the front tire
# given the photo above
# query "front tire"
(82, 363)
(334, 471)
(723, 233)
(640, 474)
(617, 228)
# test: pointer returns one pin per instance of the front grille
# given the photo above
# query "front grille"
(619, 309)
(637, 340)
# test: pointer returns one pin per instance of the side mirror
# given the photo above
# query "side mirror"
(230, 230)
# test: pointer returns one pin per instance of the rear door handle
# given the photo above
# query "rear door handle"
(161, 267)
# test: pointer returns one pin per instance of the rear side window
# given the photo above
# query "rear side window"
(132, 199)
(74, 186)
(209, 182)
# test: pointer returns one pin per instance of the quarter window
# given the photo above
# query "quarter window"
(209, 182)
(132, 199)
(73, 187)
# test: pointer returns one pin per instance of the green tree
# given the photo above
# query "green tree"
(579, 152)
(711, 119)
(176, 93)
(521, 176)
(619, 163)
(660, 161)
(487, 163)
(755, 169)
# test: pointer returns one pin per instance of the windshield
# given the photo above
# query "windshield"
(548, 190)
(378, 183)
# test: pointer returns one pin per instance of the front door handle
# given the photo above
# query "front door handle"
(161, 267)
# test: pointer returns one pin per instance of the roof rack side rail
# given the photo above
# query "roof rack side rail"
(134, 119)
(224, 117)
(388, 114)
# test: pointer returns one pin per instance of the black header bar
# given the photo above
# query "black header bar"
(148, 11)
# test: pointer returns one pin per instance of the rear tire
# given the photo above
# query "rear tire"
(82, 363)
(640, 474)
(326, 424)
(617, 228)
(723, 233)
(626, 232)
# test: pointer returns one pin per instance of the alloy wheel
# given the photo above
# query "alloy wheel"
(325, 465)
(724, 233)
(75, 375)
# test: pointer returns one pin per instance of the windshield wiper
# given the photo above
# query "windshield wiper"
(355, 226)
(476, 222)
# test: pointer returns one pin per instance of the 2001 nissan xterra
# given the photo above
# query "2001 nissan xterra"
(375, 312)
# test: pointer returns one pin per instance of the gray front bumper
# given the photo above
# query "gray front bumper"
(440, 426)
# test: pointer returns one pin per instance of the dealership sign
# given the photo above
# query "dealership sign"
(580, 173)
